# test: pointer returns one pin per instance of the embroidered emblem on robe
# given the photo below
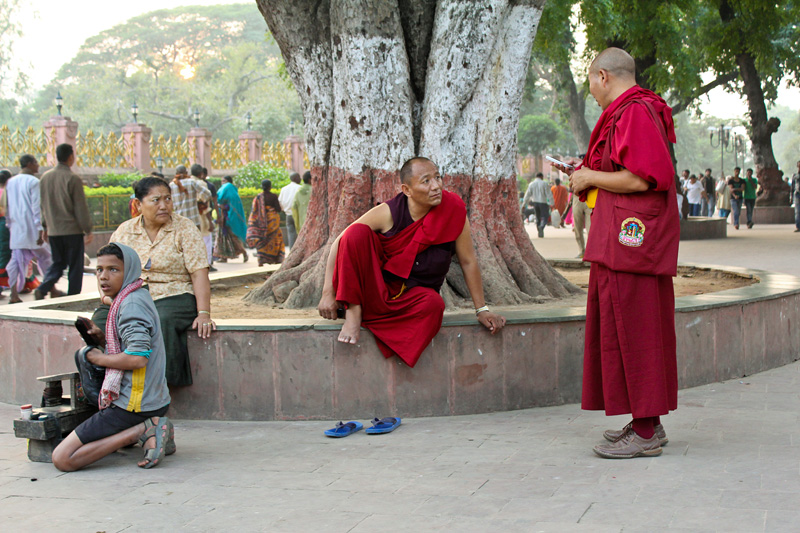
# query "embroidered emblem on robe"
(632, 232)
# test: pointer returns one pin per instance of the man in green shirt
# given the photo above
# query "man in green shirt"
(750, 187)
(301, 200)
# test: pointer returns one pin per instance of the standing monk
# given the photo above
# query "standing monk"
(629, 356)
(387, 267)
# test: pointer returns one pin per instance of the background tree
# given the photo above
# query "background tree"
(758, 40)
(381, 81)
(219, 59)
(12, 81)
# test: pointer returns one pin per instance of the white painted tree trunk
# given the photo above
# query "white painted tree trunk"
(381, 81)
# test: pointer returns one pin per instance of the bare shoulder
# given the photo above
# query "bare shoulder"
(379, 218)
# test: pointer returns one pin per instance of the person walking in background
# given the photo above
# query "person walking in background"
(542, 198)
(796, 198)
(5, 237)
(301, 200)
(200, 174)
(232, 228)
(708, 200)
(724, 197)
(581, 218)
(186, 192)
(264, 226)
(286, 198)
(694, 194)
(750, 188)
(66, 221)
(560, 199)
(24, 221)
(736, 186)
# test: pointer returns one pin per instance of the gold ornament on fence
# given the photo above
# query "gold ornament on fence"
(16, 143)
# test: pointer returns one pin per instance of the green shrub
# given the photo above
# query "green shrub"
(107, 191)
(110, 179)
(254, 172)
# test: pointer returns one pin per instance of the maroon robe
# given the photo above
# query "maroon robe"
(630, 352)
(396, 277)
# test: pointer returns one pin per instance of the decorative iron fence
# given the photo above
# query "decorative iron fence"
(109, 211)
(103, 151)
(112, 151)
(173, 152)
(16, 143)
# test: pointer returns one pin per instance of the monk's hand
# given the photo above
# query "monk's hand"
(492, 321)
(204, 325)
(580, 180)
(327, 305)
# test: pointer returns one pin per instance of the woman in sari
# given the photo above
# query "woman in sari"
(264, 226)
(5, 247)
(232, 228)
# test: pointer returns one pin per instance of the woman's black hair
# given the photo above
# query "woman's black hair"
(266, 185)
(229, 179)
(145, 185)
(4, 176)
(111, 249)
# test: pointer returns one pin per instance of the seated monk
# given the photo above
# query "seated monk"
(387, 267)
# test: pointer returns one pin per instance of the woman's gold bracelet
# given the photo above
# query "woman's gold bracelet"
(204, 313)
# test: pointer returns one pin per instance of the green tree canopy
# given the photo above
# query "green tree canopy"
(220, 60)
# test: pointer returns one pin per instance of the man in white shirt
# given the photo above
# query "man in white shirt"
(540, 195)
(286, 199)
(24, 221)
(694, 194)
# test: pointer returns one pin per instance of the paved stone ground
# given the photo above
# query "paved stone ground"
(732, 464)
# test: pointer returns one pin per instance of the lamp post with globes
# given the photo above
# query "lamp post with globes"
(723, 141)
(196, 115)
(59, 102)
(135, 112)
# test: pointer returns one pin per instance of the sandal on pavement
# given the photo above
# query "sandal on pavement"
(154, 455)
(150, 431)
(383, 425)
(344, 430)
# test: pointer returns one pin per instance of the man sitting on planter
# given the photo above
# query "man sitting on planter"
(387, 267)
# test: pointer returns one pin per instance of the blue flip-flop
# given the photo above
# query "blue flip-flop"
(384, 425)
(343, 430)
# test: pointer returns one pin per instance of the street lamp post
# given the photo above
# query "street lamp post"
(723, 140)
(249, 119)
(160, 164)
(196, 118)
(59, 103)
(135, 112)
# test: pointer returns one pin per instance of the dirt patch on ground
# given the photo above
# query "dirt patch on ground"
(227, 295)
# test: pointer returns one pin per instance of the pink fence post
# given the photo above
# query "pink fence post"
(199, 140)
(136, 138)
(296, 152)
(250, 146)
(59, 130)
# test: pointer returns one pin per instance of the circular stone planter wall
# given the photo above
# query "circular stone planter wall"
(296, 370)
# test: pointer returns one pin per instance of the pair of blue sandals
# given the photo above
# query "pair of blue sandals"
(379, 426)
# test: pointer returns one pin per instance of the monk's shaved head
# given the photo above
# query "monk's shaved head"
(616, 62)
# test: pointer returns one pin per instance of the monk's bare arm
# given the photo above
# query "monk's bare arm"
(621, 182)
(379, 218)
(472, 275)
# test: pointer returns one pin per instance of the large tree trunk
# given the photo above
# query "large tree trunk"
(381, 81)
(776, 192)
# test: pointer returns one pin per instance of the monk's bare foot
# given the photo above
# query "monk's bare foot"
(352, 325)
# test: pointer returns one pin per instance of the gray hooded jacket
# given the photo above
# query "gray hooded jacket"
(139, 330)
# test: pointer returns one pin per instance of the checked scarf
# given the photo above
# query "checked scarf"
(113, 380)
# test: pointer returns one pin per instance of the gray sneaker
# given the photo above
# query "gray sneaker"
(613, 435)
(630, 445)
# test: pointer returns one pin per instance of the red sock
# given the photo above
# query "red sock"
(656, 420)
(644, 427)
